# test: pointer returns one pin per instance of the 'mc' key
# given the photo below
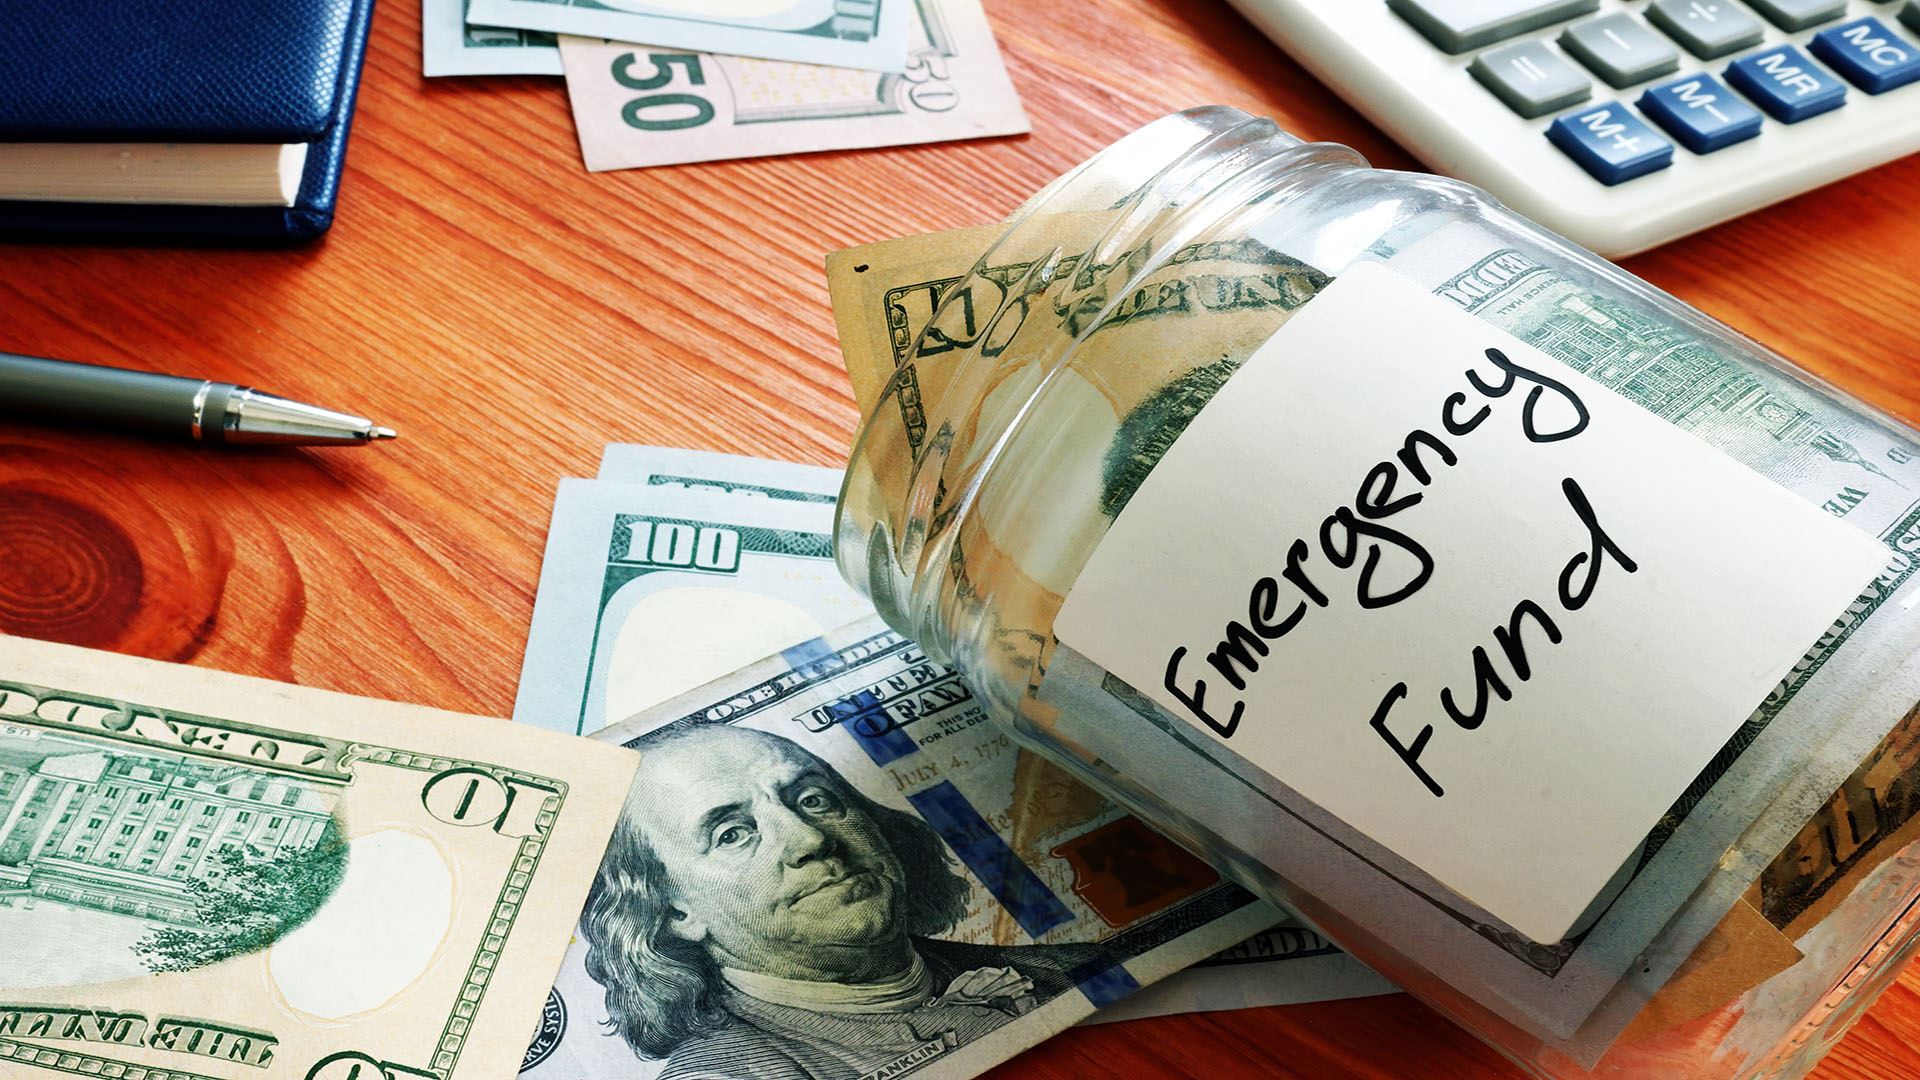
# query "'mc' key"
(1871, 56)
(1786, 84)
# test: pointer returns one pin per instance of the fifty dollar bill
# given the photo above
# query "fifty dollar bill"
(214, 877)
(639, 106)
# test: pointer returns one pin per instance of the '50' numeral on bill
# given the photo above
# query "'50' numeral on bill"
(637, 112)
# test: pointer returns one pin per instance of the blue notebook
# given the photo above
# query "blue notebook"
(159, 80)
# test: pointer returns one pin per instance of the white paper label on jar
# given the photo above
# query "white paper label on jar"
(1482, 609)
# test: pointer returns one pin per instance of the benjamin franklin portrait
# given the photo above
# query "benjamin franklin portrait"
(757, 916)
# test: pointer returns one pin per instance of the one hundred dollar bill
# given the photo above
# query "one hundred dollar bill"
(1287, 964)
(449, 45)
(832, 865)
(707, 472)
(648, 591)
(1845, 695)
(220, 878)
(637, 106)
(869, 34)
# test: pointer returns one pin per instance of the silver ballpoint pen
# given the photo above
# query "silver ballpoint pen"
(199, 409)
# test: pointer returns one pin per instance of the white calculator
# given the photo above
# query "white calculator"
(1622, 124)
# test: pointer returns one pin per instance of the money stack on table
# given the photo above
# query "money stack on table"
(761, 834)
(689, 608)
(741, 827)
(654, 82)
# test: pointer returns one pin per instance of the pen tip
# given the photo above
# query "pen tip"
(382, 433)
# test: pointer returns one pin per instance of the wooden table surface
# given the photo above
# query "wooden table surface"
(510, 314)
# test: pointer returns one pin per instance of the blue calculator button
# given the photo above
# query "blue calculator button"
(1786, 84)
(1611, 143)
(1701, 113)
(1872, 57)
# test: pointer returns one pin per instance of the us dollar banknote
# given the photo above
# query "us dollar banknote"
(870, 34)
(707, 472)
(902, 312)
(450, 45)
(636, 106)
(647, 591)
(832, 865)
(1873, 816)
(216, 877)
(1284, 965)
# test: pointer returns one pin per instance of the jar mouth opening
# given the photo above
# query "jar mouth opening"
(1123, 213)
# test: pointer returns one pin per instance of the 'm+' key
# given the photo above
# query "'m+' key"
(1611, 143)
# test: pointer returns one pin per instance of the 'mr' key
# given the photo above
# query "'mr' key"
(1872, 57)
(1786, 84)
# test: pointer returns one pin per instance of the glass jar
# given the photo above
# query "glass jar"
(1054, 380)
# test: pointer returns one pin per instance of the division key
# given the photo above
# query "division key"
(1709, 29)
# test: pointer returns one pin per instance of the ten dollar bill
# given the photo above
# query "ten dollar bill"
(210, 877)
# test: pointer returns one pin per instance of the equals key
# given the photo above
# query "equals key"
(1531, 78)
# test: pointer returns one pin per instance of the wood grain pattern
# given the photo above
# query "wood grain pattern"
(509, 314)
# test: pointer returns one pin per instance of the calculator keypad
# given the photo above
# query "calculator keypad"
(1537, 76)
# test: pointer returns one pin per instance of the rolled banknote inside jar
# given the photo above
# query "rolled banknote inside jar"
(1498, 613)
